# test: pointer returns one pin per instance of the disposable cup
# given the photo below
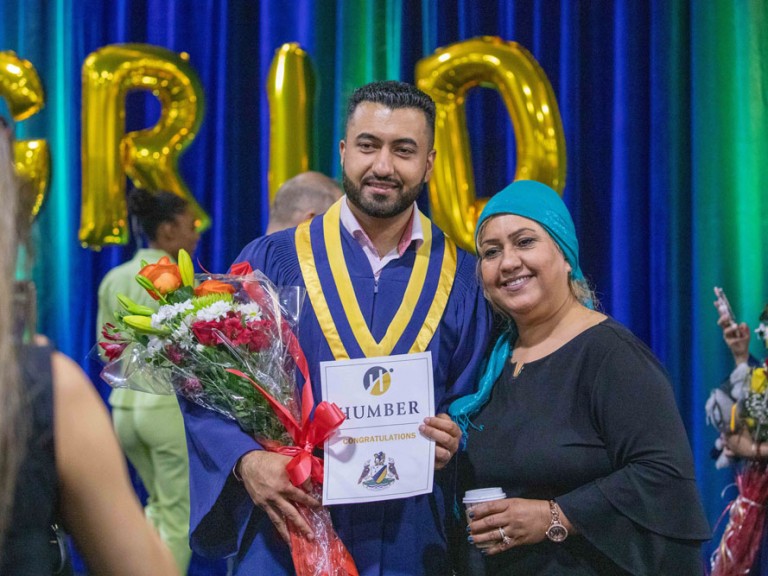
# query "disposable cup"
(475, 497)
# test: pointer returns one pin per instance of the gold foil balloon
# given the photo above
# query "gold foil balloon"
(20, 86)
(489, 62)
(150, 156)
(291, 95)
(22, 90)
(33, 165)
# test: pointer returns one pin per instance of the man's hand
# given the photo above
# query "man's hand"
(446, 434)
(264, 476)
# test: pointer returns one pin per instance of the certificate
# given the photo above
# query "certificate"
(378, 452)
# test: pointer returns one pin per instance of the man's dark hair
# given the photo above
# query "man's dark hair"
(393, 94)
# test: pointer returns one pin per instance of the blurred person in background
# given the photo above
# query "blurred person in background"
(59, 459)
(301, 198)
(149, 426)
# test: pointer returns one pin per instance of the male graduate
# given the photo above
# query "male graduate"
(356, 262)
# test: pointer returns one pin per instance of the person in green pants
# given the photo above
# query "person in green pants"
(149, 426)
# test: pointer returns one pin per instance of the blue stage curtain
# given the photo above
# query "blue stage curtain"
(663, 105)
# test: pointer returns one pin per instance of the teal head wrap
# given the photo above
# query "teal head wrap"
(537, 202)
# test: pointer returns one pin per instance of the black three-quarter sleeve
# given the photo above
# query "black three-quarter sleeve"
(650, 498)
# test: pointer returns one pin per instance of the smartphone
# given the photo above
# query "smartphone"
(723, 304)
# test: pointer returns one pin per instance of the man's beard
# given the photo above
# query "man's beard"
(380, 205)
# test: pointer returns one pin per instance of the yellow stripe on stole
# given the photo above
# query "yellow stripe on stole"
(339, 271)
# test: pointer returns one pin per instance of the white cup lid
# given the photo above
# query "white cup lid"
(483, 495)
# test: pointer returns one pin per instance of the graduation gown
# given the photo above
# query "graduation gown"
(403, 536)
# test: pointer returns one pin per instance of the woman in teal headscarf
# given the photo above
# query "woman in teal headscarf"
(574, 417)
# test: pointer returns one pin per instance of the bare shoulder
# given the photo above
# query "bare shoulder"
(69, 381)
(104, 517)
(79, 413)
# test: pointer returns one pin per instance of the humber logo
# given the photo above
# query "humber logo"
(377, 380)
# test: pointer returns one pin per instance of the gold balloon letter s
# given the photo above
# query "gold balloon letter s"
(490, 62)
(149, 157)
(21, 87)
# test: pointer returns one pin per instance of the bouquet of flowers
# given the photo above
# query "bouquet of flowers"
(743, 403)
(226, 343)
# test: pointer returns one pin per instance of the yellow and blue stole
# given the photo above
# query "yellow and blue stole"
(329, 286)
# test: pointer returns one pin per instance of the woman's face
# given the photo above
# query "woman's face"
(524, 273)
(184, 232)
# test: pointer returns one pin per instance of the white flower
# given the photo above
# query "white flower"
(155, 346)
(169, 312)
(250, 311)
(182, 335)
(215, 311)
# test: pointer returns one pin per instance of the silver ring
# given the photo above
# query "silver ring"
(505, 540)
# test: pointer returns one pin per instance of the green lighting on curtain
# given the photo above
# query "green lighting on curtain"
(56, 256)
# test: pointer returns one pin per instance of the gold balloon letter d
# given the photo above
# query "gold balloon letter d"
(447, 75)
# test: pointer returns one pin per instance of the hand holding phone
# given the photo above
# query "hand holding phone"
(723, 306)
(736, 335)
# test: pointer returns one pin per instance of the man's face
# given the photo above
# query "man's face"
(386, 158)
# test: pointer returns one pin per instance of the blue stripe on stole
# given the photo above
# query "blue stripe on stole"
(322, 264)
(378, 319)
(436, 256)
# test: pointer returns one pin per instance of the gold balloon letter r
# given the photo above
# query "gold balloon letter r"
(149, 157)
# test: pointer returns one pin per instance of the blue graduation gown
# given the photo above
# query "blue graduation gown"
(403, 536)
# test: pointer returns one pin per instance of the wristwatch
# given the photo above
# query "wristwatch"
(556, 531)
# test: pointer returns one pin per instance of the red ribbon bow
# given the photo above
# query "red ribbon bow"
(307, 434)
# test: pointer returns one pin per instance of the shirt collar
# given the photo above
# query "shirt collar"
(413, 232)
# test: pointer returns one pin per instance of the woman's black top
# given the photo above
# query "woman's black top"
(30, 547)
(595, 426)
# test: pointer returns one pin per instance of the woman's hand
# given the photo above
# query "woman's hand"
(736, 336)
(741, 445)
(499, 525)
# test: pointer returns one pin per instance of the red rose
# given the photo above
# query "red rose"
(261, 335)
(204, 332)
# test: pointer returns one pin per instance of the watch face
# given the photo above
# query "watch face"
(557, 533)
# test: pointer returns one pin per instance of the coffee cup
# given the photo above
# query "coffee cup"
(474, 497)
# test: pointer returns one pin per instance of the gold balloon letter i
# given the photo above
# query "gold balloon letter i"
(150, 156)
(489, 62)
(21, 87)
(291, 95)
